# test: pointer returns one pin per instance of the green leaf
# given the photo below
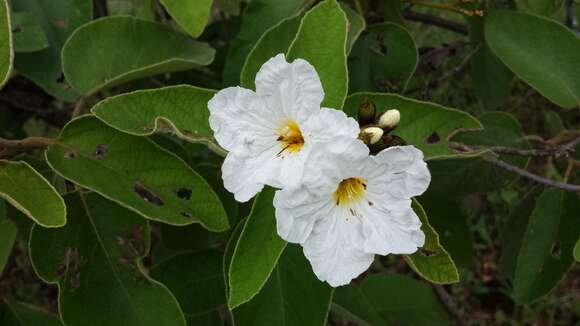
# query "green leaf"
(6, 51)
(351, 303)
(96, 262)
(577, 251)
(491, 78)
(144, 9)
(14, 313)
(8, 233)
(30, 193)
(292, 296)
(136, 173)
(258, 17)
(121, 49)
(175, 109)
(192, 16)
(356, 25)
(410, 302)
(386, 54)
(58, 18)
(540, 51)
(547, 247)
(212, 318)
(231, 7)
(275, 40)
(195, 279)
(540, 7)
(501, 129)
(256, 253)
(28, 33)
(432, 261)
(321, 40)
(229, 252)
(424, 125)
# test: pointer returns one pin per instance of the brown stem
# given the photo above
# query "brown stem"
(448, 302)
(435, 21)
(556, 151)
(10, 147)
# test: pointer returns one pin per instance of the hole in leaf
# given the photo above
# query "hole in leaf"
(60, 78)
(184, 193)
(16, 29)
(147, 194)
(427, 253)
(433, 138)
(186, 214)
(99, 153)
(70, 154)
(556, 250)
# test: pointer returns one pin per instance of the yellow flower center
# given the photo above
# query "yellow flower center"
(290, 136)
(350, 190)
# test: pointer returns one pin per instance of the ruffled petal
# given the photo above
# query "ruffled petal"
(328, 125)
(240, 121)
(401, 171)
(335, 248)
(294, 89)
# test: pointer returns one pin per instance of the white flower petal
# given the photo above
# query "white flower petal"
(334, 249)
(294, 88)
(328, 125)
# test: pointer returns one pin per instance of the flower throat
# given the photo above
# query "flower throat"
(349, 190)
(290, 137)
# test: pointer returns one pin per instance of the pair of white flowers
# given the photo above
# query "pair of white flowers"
(337, 201)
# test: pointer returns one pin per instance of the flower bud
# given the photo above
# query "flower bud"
(366, 112)
(371, 135)
(390, 119)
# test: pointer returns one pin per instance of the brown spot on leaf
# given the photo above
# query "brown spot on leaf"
(427, 253)
(70, 154)
(183, 193)
(147, 194)
(433, 138)
(60, 78)
(99, 152)
(186, 214)
(69, 269)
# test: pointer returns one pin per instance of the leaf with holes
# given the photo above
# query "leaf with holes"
(424, 125)
(30, 193)
(58, 18)
(432, 261)
(6, 50)
(14, 313)
(136, 173)
(96, 262)
(385, 55)
(540, 51)
(259, 244)
(501, 129)
(175, 109)
(196, 280)
(321, 40)
(547, 247)
(28, 33)
(192, 16)
(123, 48)
(292, 295)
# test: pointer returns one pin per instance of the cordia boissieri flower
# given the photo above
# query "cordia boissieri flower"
(270, 133)
(352, 206)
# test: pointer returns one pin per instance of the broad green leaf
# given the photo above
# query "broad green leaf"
(432, 261)
(392, 12)
(136, 173)
(321, 40)
(275, 40)
(547, 247)
(491, 78)
(96, 262)
(229, 252)
(424, 125)
(144, 9)
(463, 175)
(292, 296)
(8, 233)
(192, 16)
(385, 55)
(121, 49)
(14, 313)
(27, 33)
(356, 25)
(6, 50)
(195, 279)
(58, 18)
(401, 300)
(540, 51)
(257, 18)
(256, 253)
(30, 193)
(577, 251)
(541, 7)
(351, 303)
(175, 109)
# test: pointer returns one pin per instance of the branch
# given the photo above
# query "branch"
(558, 151)
(449, 304)
(10, 147)
(435, 21)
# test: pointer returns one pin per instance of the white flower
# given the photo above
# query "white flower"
(353, 206)
(270, 133)
(390, 118)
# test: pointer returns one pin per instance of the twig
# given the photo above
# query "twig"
(556, 151)
(531, 176)
(449, 304)
(10, 147)
(78, 109)
(435, 21)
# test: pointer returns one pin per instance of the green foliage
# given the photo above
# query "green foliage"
(191, 16)
(28, 191)
(6, 51)
(14, 313)
(8, 233)
(28, 34)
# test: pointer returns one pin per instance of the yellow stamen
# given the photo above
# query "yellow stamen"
(350, 190)
(290, 137)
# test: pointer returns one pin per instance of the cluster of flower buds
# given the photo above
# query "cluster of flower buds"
(375, 129)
